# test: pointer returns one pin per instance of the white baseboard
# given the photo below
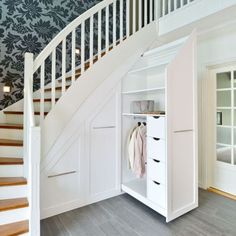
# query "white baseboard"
(200, 185)
(104, 196)
(61, 208)
(68, 206)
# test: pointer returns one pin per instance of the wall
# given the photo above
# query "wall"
(191, 13)
(215, 47)
(77, 142)
(28, 26)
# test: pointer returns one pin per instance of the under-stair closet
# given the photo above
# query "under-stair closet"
(160, 91)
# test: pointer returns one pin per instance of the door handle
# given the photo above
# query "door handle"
(156, 161)
(184, 130)
(156, 139)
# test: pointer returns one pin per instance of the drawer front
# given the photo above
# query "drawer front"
(156, 171)
(156, 193)
(156, 127)
(156, 149)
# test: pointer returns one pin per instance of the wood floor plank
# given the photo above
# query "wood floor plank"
(123, 215)
(228, 195)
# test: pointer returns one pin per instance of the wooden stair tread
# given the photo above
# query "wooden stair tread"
(11, 142)
(57, 89)
(14, 229)
(12, 181)
(87, 64)
(11, 126)
(21, 113)
(11, 161)
(11, 204)
(45, 100)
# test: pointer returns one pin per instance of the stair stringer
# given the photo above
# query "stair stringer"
(127, 52)
(102, 84)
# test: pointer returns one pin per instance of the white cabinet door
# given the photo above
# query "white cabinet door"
(181, 88)
(103, 169)
(181, 132)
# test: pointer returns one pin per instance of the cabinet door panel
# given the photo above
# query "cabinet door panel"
(180, 88)
(102, 161)
(182, 132)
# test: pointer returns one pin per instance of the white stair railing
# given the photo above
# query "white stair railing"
(125, 18)
(32, 149)
(167, 7)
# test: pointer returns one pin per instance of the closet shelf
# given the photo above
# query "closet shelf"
(137, 186)
(142, 115)
(143, 90)
(148, 68)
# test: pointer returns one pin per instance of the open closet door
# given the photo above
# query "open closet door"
(182, 131)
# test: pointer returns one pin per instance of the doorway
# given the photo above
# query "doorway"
(222, 161)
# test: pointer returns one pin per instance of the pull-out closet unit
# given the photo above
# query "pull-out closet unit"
(165, 75)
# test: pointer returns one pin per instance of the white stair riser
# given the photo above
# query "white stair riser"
(10, 192)
(11, 171)
(12, 216)
(13, 119)
(59, 83)
(8, 151)
(49, 95)
(47, 106)
(11, 134)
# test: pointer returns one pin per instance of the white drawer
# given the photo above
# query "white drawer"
(156, 193)
(156, 171)
(156, 127)
(156, 149)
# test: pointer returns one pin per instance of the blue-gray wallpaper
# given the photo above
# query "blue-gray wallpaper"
(28, 26)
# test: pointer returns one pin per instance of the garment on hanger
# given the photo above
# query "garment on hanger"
(140, 155)
(137, 149)
(131, 146)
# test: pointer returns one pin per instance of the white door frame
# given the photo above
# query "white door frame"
(210, 110)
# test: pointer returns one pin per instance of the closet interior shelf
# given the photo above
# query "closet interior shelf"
(143, 90)
(143, 115)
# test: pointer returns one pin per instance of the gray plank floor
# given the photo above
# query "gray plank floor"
(125, 216)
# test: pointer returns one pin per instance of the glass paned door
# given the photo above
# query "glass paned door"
(224, 117)
(222, 132)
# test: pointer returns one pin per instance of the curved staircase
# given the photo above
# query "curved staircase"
(20, 133)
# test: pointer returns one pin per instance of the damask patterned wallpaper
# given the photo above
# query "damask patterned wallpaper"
(28, 26)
